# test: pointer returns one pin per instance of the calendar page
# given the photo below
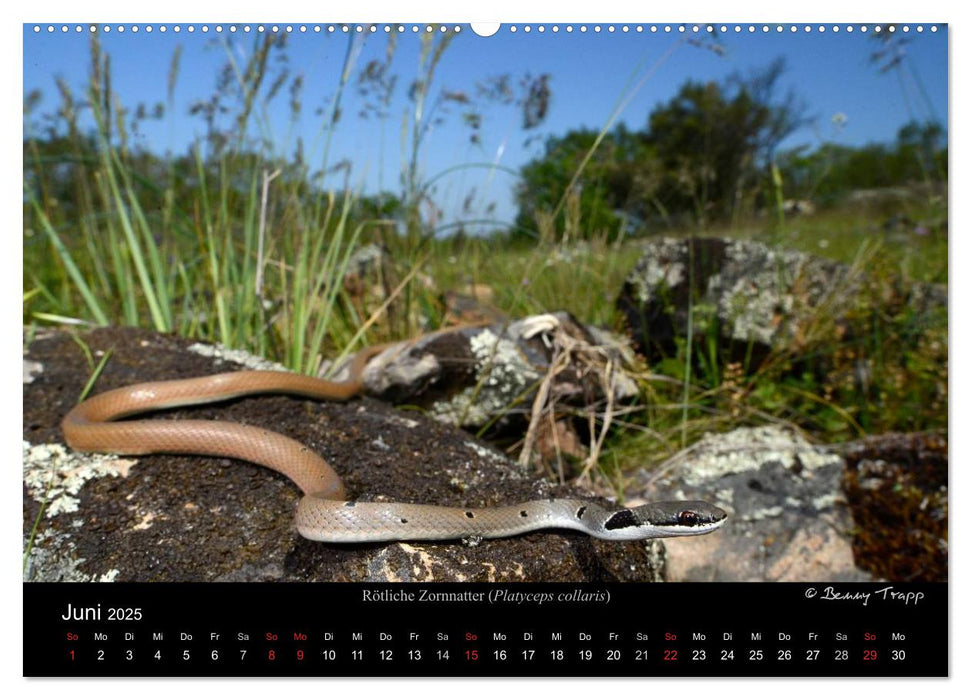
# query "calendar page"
(514, 349)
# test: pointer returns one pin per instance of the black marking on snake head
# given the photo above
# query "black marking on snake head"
(522, 514)
(621, 519)
(404, 521)
(469, 514)
(350, 504)
(581, 511)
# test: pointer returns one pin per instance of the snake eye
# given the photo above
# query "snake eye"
(688, 518)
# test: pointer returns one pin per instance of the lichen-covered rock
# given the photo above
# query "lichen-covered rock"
(474, 375)
(788, 517)
(896, 485)
(754, 297)
(192, 518)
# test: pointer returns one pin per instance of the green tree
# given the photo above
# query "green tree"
(715, 141)
(701, 154)
(832, 171)
(616, 185)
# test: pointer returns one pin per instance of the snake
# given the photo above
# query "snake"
(324, 513)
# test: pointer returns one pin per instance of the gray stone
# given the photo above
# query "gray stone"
(788, 518)
(754, 297)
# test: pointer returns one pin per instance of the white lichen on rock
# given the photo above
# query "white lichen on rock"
(756, 292)
(401, 562)
(658, 271)
(501, 373)
(826, 501)
(224, 354)
(31, 369)
(747, 449)
(52, 556)
(54, 475)
(486, 452)
(762, 514)
(408, 423)
(757, 299)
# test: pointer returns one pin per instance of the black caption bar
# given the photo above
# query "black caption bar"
(819, 629)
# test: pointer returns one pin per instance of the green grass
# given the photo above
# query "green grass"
(700, 391)
(540, 278)
(235, 246)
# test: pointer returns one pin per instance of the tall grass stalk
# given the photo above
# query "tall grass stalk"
(626, 96)
(318, 272)
(428, 58)
(689, 345)
(255, 257)
(253, 267)
(64, 255)
(141, 249)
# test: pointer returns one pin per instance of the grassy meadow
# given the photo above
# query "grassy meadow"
(232, 243)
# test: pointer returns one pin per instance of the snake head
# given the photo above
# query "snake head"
(667, 519)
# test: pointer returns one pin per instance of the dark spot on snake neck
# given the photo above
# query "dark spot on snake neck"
(522, 514)
(583, 509)
(621, 519)
(350, 504)
(469, 514)
(404, 521)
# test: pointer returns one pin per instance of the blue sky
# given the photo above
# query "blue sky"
(590, 72)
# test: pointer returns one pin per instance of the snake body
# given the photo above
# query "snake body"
(323, 513)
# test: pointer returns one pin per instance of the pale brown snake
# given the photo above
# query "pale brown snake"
(323, 514)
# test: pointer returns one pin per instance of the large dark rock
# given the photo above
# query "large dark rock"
(754, 298)
(190, 518)
(896, 485)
